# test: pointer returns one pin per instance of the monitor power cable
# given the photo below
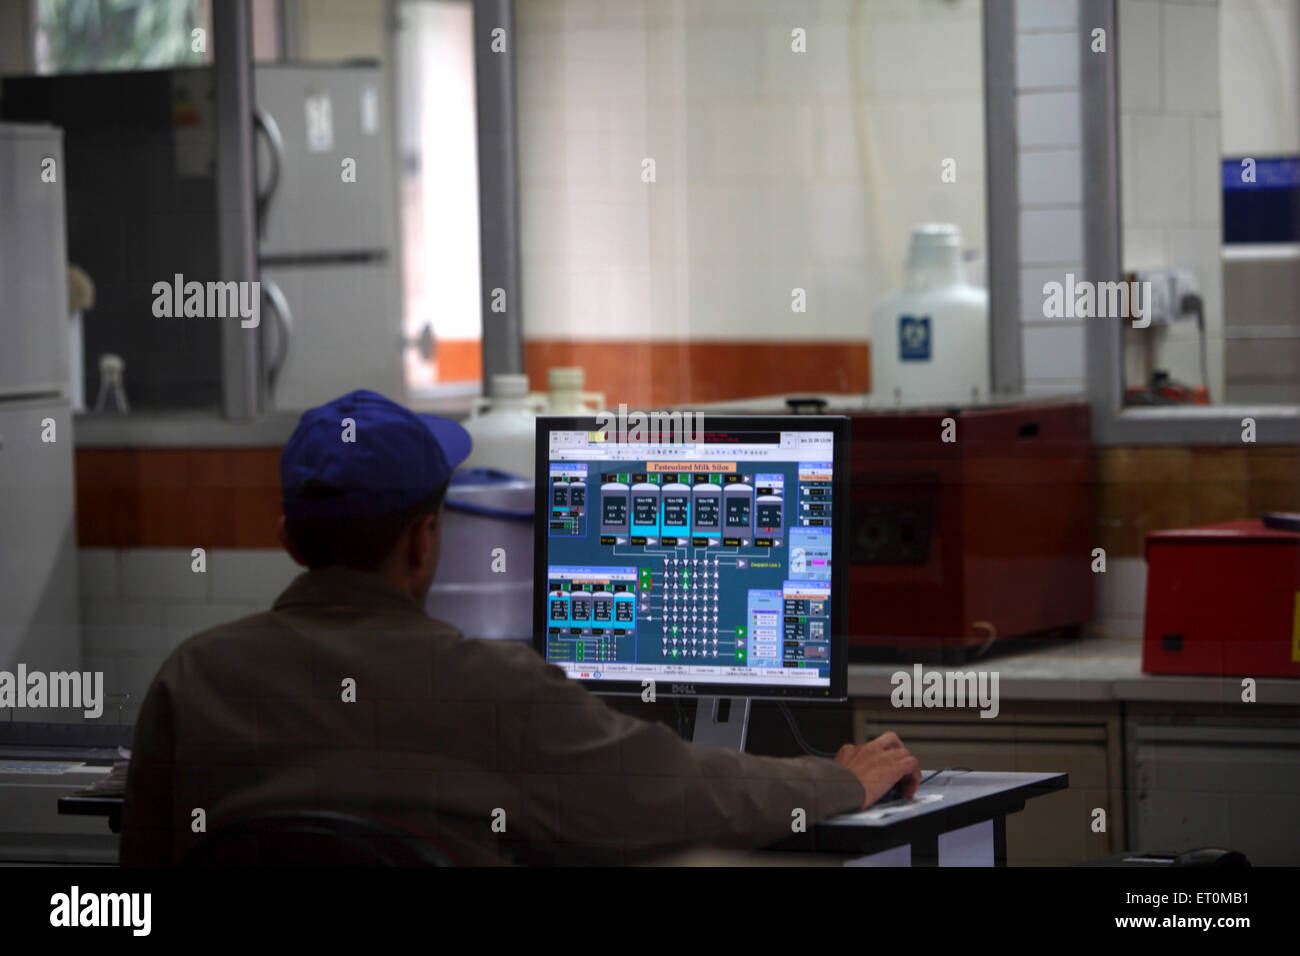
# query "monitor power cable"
(684, 728)
(798, 735)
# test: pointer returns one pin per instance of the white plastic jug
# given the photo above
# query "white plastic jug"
(484, 586)
(930, 344)
(566, 396)
(503, 426)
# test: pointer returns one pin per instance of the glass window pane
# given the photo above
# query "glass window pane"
(1210, 192)
(716, 196)
(91, 36)
(439, 195)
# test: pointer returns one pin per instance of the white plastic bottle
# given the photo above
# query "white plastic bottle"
(930, 344)
(566, 396)
(503, 426)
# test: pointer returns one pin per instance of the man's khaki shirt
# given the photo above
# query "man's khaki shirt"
(346, 696)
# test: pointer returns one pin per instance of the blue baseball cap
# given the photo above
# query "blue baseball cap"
(371, 455)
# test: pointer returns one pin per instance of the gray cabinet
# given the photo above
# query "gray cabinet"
(1084, 741)
(1216, 781)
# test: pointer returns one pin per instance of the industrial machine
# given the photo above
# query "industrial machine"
(969, 525)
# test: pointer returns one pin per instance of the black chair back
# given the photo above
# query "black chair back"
(301, 837)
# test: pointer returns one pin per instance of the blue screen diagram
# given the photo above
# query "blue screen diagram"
(714, 570)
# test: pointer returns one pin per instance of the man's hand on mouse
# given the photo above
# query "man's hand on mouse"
(879, 764)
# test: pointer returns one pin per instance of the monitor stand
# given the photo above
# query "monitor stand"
(722, 722)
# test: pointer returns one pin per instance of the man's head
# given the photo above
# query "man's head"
(362, 481)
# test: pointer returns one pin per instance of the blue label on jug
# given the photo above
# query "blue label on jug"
(914, 338)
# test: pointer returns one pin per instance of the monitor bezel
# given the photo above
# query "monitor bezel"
(839, 426)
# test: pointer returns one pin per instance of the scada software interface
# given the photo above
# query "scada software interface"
(706, 561)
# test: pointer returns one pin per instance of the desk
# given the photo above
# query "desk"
(89, 805)
(966, 826)
(30, 830)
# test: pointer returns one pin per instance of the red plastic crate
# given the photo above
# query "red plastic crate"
(1223, 599)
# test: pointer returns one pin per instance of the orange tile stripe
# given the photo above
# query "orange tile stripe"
(230, 497)
(652, 374)
(460, 360)
(178, 497)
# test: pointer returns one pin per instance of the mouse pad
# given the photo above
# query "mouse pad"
(883, 811)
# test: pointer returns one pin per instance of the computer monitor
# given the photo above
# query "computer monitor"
(709, 558)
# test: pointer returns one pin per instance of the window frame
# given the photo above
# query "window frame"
(1112, 422)
(498, 189)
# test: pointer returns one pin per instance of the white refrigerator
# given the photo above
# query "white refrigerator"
(38, 534)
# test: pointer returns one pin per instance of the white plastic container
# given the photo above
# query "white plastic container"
(930, 344)
(482, 591)
(503, 426)
(566, 396)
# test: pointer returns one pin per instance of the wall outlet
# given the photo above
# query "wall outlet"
(1168, 288)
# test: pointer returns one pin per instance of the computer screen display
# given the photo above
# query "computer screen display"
(707, 560)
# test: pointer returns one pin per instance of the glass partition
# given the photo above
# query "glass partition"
(717, 196)
(1209, 96)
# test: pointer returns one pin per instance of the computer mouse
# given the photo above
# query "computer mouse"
(895, 792)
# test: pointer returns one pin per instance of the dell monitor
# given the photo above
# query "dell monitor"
(696, 555)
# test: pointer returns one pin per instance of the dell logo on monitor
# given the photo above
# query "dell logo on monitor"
(683, 688)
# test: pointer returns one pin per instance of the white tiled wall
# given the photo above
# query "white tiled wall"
(1048, 49)
(138, 604)
(1047, 59)
(1055, 351)
(1169, 167)
(775, 169)
(1051, 176)
(1259, 72)
(1120, 598)
(1051, 235)
(1046, 15)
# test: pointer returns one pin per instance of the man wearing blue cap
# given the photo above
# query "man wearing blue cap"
(345, 696)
